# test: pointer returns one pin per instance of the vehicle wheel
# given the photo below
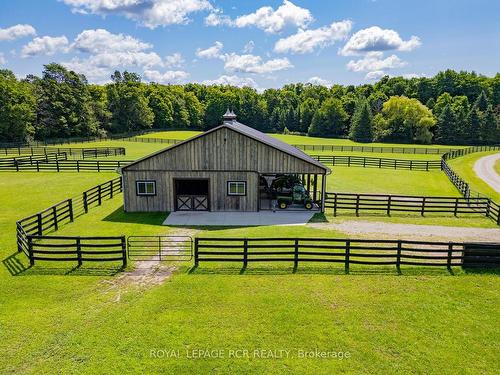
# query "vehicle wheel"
(282, 205)
(308, 205)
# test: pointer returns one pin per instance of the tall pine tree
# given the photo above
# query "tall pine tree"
(474, 124)
(361, 123)
(489, 130)
(446, 131)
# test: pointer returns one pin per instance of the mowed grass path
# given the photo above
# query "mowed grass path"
(83, 323)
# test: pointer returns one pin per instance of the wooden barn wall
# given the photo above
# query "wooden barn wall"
(164, 199)
(227, 150)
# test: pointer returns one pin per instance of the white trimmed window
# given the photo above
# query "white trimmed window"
(146, 187)
(236, 188)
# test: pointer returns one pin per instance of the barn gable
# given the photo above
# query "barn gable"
(231, 147)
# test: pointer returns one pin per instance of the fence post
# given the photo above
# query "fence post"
(85, 205)
(296, 254)
(57, 165)
(124, 252)
(196, 243)
(347, 255)
(54, 216)
(99, 195)
(423, 206)
(357, 205)
(39, 223)
(111, 189)
(398, 257)
(456, 207)
(450, 255)
(70, 208)
(389, 205)
(245, 253)
(78, 165)
(78, 251)
(335, 204)
(30, 251)
(488, 206)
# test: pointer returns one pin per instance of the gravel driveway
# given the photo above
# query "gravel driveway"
(485, 169)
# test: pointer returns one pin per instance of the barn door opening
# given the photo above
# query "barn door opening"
(191, 195)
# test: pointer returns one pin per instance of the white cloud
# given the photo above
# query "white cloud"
(273, 21)
(100, 40)
(216, 18)
(93, 73)
(124, 59)
(319, 81)
(170, 76)
(2, 59)
(46, 45)
(16, 32)
(254, 64)
(211, 52)
(149, 13)
(249, 47)
(174, 60)
(377, 74)
(305, 41)
(374, 62)
(232, 80)
(376, 39)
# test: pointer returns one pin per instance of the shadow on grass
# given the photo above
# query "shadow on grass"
(149, 218)
(17, 264)
(312, 270)
(493, 270)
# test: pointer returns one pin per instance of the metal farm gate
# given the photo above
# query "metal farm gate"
(160, 248)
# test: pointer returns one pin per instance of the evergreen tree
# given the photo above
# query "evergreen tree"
(482, 102)
(446, 131)
(488, 132)
(329, 121)
(361, 123)
(474, 126)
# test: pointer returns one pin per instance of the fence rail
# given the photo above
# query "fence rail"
(66, 211)
(369, 162)
(344, 251)
(83, 152)
(62, 165)
(376, 149)
(78, 249)
(409, 203)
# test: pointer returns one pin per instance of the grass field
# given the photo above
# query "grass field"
(464, 167)
(87, 322)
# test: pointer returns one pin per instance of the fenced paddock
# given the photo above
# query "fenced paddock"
(74, 152)
(32, 231)
(377, 149)
(63, 165)
(421, 205)
(347, 252)
(369, 162)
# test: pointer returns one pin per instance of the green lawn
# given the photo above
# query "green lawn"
(84, 323)
(497, 167)
(464, 167)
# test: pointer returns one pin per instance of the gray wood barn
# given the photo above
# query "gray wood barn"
(218, 170)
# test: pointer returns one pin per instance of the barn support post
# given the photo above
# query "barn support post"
(323, 192)
(308, 183)
(315, 183)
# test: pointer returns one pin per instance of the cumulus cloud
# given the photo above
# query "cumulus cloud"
(212, 52)
(94, 73)
(216, 18)
(170, 76)
(305, 41)
(374, 62)
(173, 60)
(232, 80)
(254, 64)
(101, 40)
(319, 81)
(377, 74)
(46, 45)
(376, 39)
(148, 13)
(274, 21)
(16, 32)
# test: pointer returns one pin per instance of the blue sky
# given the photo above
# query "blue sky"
(258, 43)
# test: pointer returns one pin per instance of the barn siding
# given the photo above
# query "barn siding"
(164, 199)
(227, 150)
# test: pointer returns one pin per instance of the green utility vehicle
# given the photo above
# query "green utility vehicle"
(289, 190)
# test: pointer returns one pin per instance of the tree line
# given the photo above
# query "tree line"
(449, 108)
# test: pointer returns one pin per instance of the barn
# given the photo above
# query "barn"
(227, 168)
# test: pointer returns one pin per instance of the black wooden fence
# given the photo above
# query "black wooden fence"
(82, 152)
(38, 225)
(377, 149)
(369, 162)
(33, 159)
(62, 165)
(344, 251)
(362, 203)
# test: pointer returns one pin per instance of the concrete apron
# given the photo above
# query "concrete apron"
(205, 218)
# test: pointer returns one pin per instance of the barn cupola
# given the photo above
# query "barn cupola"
(229, 116)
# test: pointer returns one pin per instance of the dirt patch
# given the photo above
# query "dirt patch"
(145, 274)
(413, 231)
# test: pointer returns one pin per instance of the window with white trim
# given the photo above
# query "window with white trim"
(146, 187)
(236, 188)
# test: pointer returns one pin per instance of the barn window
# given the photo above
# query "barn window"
(236, 188)
(146, 187)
